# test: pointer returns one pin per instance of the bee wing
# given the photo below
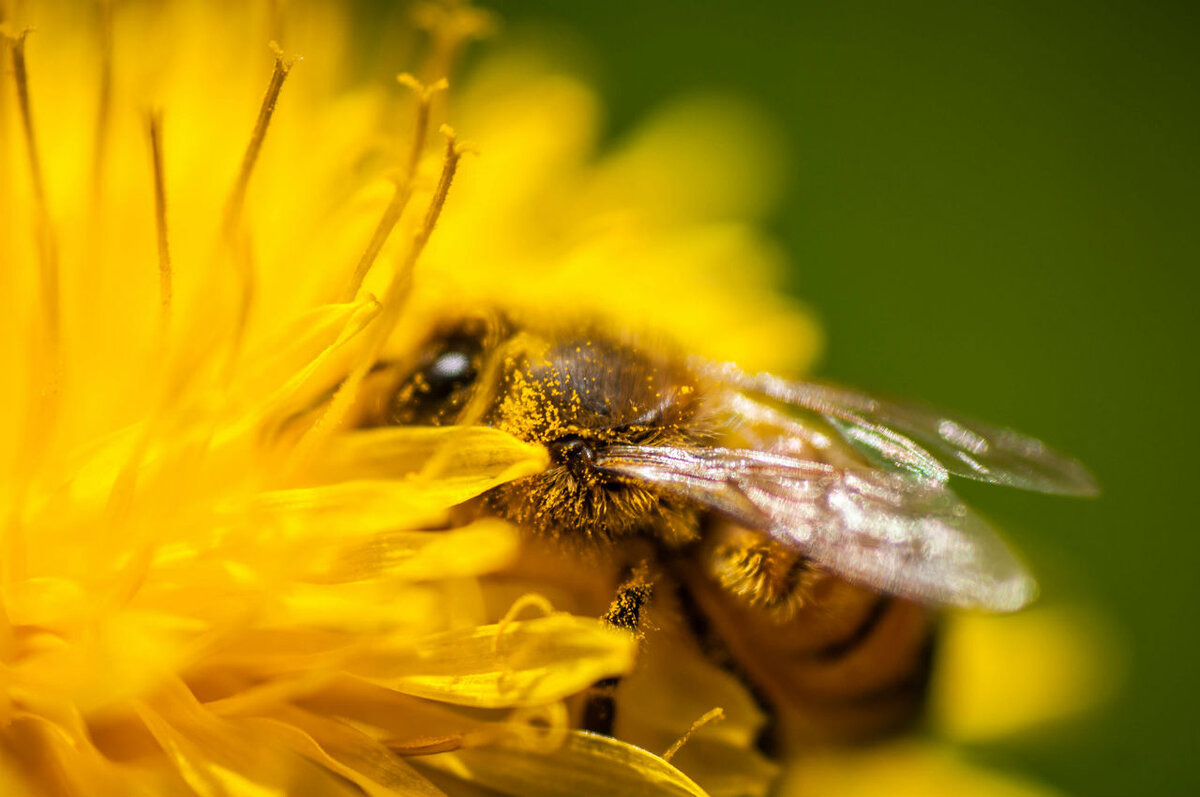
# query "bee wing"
(893, 533)
(923, 440)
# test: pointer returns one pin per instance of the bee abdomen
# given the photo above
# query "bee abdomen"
(847, 664)
(872, 683)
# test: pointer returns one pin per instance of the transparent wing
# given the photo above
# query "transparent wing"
(767, 428)
(923, 440)
(893, 533)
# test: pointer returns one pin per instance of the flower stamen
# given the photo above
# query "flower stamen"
(393, 302)
(237, 198)
(258, 135)
(404, 189)
(714, 715)
(451, 24)
(154, 127)
(46, 243)
(46, 365)
(275, 19)
(104, 101)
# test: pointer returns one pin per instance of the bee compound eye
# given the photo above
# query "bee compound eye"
(438, 388)
(448, 372)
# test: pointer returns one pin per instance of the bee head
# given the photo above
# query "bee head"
(573, 392)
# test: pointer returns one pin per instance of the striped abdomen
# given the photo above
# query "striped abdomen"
(835, 661)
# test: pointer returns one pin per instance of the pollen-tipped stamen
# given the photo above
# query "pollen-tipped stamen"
(258, 135)
(394, 301)
(404, 188)
(237, 198)
(451, 26)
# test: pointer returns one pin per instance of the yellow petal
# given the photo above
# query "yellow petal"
(390, 478)
(906, 769)
(219, 757)
(517, 663)
(482, 547)
(999, 675)
(358, 508)
(120, 658)
(656, 168)
(366, 608)
(657, 716)
(587, 765)
(429, 455)
(347, 752)
(387, 715)
(69, 764)
(673, 686)
(304, 348)
(46, 602)
(727, 770)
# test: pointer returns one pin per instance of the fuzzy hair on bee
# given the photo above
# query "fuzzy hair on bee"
(576, 393)
(809, 530)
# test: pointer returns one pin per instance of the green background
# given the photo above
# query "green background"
(992, 206)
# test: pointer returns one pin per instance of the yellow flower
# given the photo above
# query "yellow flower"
(202, 595)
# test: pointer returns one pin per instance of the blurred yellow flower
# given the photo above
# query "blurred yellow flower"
(197, 599)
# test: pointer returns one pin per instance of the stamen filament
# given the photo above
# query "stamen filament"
(393, 303)
(104, 106)
(715, 715)
(404, 189)
(400, 287)
(451, 27)
(47, 248)
(275, 19)
(237, 199)
(21, 76)
(258, 135)
(46, 364)
(154, 124)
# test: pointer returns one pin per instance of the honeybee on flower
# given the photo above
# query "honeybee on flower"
(201, 235)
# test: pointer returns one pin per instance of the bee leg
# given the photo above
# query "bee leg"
(632, 597)
(599, 710)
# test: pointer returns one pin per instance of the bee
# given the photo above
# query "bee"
(809, 530)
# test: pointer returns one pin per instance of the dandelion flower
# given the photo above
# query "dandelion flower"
(206, 239)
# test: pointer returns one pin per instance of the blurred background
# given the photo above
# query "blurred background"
(991, 206)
